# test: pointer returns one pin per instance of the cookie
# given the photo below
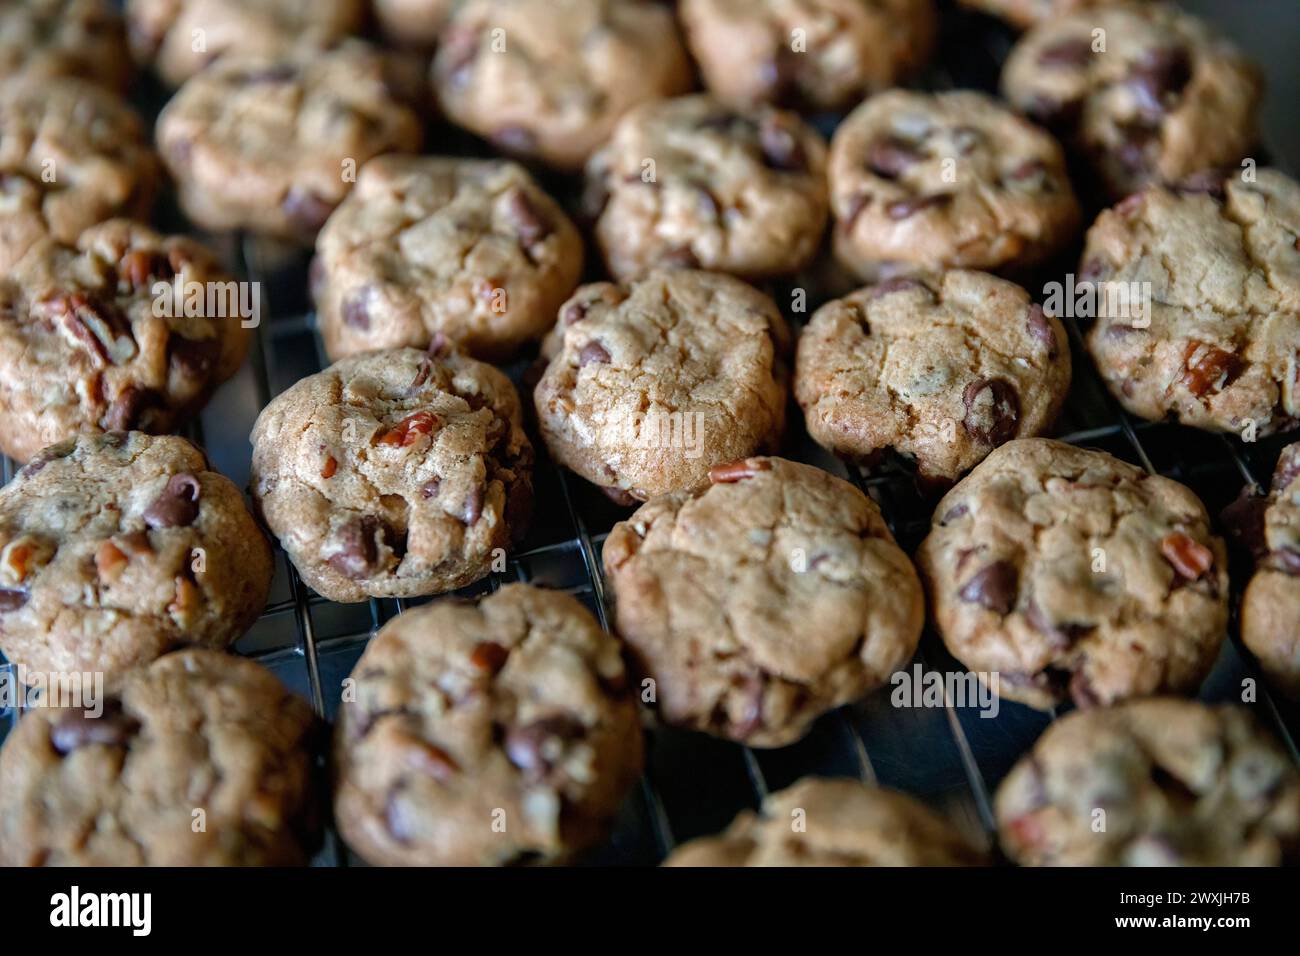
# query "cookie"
(941, 370)
(179, 38)
(690, 182)
(199, 759)
(1067, 573)
(1270, 608)
(763, 601)
(933, 181)
(1216, 259)
(547, 79)
(812, 54)
(394, 474)
(90, 343)
(1023, 14)
(71, 155)
(470, 250)
(830, 822)
(117, 548)
(1147, 93)
(1159, 782)
(485, 734)
(44, 40)
(654, 383)
(274, 144)
(412, 23)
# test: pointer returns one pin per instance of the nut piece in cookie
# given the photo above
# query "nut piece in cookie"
(1175, 782)
(932, 181)
(116, 548)
(394, 474)
(847, 823)
(515, 710)
(689, 181)
(470, 250)
(942, 370)
(124, 784)
(1270, 608)
(49, 39)
(762, 602)
(1061, 572)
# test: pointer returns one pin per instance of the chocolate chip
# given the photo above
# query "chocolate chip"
(1209, 182)
(356, 313)
(178, 504)
(1158, 77)
(456, 54)
(1041, 329)
(515, 139)
(752, 688)
(306, 210)
(993, 588)
(1092, 270)
(573, 313)
(679, 257)
(537, 747)
(358, 541)
(396, 818)
(1134, 150)
(620, 496)
(890, 156)
(781, 146)
(1244, 522)
(11, 599)
(1060, 634)
(125, 410)
(529, 224)
(1076, 51)
(489, 656)
(779, 75)
(473, 508)
(76, 729)
(592, 352)
(896, 284)
(1286, 560)
(430, 488)
(192, 358)
(955, 512)
(906, 208)
(992, 411)
(274, 73)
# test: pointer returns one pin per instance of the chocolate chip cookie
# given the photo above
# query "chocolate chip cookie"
(471, 250)
(763, 601)
(1065, 572)
(827, 822)
(181, 37)
(1217, 259)
(1159, 782)
(690, 182)
(654, 383)
(1026, 13)
(199, 759)
(108, 335)
(412, 23)
(1270, 608)
(48, 39)
(72, 154)
(394, 474)
(1146, 92)
(940, 370)
(813, 54)
(485, 734)
(273, 144)
(931, 181)
(547, 79)
(116, 548)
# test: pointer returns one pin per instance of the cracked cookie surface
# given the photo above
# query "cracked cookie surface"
(485, 734)
(472, 250)
(89, 342)
(654, 383)
(394, 474)
(1180, 783)
(931, 181)
(266, 143)
(547, 79)
(849, 48)
(1026, 13)
(118, 547)
(845, 823)
(1222, 262)
(47, 39)
(1270, 608)
(941, 370)
(763, 601)
(1070, 573)
(690, 182)
(1163, 98)
(195, 730)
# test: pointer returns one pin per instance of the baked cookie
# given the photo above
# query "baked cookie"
(472, 250)
(412, 23)
(181, 37)
(72, 154)
(1146, 92)
(763, 601)
(1064, 572)
(932, 181)
(116, 548)
(274, 144)
(485, 734)
(48, 39)
(1026, 13)
(812, 54)
(654, 383)
(1218, 262)
(547, 79)
(827, 822)
(690, 182)
(1270, 608)
(199, 759)
(394, 474)
(89, 342)
(1172, 783)
(941, 370)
